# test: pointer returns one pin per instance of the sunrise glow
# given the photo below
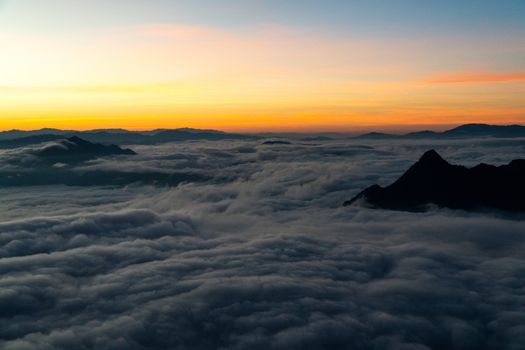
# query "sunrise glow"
(288, 71)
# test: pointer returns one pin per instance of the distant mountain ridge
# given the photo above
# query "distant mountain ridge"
(432, 180)
(462, 131)
(16, 134)
(120, 136)
(75, 149)
(29, 140)
(20, 138)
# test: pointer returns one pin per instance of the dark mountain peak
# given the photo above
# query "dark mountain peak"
(517, 163)
(432, 180)
(431, 157)
(77, 140)
(428, 169)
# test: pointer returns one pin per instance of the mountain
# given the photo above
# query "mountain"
(189, 130)
(29, 140)
(433, 180)
(111, 131)
(158, 136)
(120, 138)
(75, 149)
(16, 134)
(463, 131)
(425, 134)
(377, 136)
(125, 137)
(193, 135)
(484, 130)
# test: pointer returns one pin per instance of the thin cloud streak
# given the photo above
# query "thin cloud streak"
(479, 77)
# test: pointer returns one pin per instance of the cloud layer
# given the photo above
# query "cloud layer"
(260, 256)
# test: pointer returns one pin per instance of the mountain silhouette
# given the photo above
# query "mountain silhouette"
(76, 149)
(378, 136)
(29, 140)
(484, 130)
(16, 134)
(432, 180)
(9, 139)
(18, 138)
(462, 131)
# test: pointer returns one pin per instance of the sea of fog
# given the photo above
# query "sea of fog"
(261, 255)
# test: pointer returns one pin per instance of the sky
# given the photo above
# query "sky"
(256, 65)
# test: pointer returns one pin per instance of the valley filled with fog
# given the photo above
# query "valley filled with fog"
(253, 249)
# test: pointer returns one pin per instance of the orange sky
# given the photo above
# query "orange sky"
(267, 77)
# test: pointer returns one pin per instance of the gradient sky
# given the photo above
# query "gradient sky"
(261, 64)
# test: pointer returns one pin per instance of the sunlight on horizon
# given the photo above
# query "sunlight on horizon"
(176, 65)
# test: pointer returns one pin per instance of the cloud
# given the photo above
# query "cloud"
(19, 166)
(476, 78)
(262, 255)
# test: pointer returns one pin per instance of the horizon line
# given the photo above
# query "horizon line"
(393, 128)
